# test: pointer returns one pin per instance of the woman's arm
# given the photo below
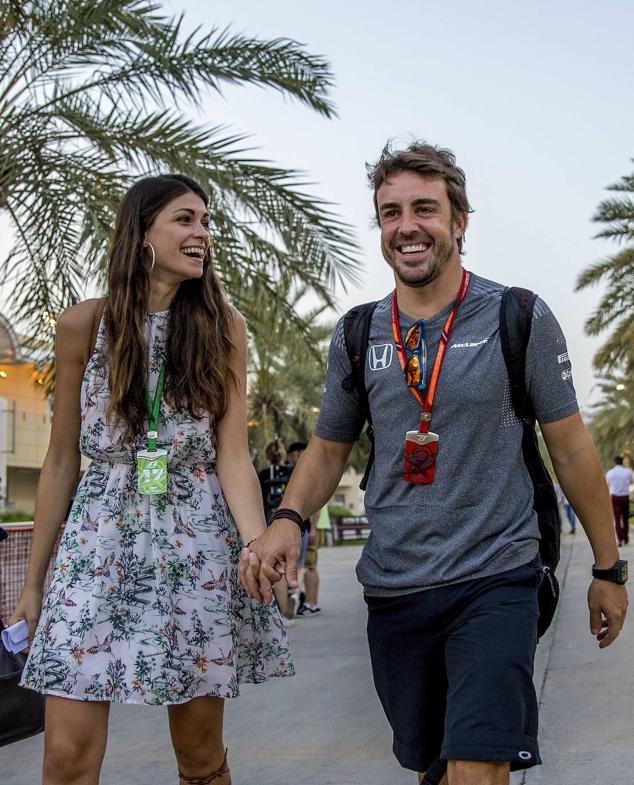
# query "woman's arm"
(236, 473)
(60, 470)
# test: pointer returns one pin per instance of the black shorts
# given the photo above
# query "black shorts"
(453, 668)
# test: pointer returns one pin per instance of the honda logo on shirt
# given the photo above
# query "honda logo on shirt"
(381, 356)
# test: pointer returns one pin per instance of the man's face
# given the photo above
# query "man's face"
(418, 233)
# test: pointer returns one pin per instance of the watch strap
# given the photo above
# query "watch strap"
(618, 573)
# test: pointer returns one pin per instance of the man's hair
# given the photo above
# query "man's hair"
(296, 447)
(429, 161)
(618, 459)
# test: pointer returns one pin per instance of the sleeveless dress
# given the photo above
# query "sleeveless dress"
(144, 605)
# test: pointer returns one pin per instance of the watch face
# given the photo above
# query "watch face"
(623, 571)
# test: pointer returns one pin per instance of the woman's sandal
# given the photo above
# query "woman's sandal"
(221, 776)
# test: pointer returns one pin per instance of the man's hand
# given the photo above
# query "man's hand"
(608, 605)
(272, 556)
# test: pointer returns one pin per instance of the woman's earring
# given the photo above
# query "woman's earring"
(151, 247)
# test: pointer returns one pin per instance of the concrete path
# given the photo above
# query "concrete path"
(326, 726)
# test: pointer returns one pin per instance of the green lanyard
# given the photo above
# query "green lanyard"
(153, 407)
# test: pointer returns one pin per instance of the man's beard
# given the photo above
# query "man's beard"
(442, 252)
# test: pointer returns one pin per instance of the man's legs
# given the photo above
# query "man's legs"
(453, 669)
(621, 511)
(472, 772)
(478, 772)
(625, 517)
(311, 576)
(406, 643)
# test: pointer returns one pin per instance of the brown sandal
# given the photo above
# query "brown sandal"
(221, 776)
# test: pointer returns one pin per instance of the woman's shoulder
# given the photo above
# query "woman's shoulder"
(237, 322)
(80, 317)
(77, 328)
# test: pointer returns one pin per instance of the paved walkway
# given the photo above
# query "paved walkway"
(326, 727)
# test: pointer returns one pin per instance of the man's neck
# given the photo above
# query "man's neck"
(423, 302)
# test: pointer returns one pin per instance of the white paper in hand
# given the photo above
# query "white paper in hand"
(16, 637)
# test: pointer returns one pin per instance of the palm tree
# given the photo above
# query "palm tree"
(286, 369)
(612, 425)
(88, 97)
(616, 308)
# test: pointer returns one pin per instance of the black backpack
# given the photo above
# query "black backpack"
(516, 312)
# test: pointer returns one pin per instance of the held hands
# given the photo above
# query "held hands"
(608, 605)
(272, 556)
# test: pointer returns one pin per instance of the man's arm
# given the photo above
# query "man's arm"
(312, 484)
(579, 471)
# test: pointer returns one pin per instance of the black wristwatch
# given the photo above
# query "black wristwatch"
(616, 574)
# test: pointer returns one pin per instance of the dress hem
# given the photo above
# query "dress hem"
(141, 702)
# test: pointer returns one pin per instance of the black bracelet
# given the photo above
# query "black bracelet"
(292, 515)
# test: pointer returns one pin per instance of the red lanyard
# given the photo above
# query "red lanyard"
(427, 402)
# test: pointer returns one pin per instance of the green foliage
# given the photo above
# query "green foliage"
(287, 367)
(338, 512)
(14, 516)
(616, 308)
(92, 96)
(612, 425)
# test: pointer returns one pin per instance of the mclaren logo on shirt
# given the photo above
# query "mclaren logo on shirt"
(380, 356)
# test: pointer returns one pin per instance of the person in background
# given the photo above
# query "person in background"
(294, 598)
(310, 605)
(619, 479)
(273, 480)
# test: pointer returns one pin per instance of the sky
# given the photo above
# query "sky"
(534, 99)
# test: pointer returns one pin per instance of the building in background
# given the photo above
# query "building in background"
(348, 494)
(25, 420)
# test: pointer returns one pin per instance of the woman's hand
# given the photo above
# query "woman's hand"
(28, 608)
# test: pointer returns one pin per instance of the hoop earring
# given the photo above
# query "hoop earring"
(151, 247)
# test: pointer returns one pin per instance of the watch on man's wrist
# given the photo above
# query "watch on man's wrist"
(615, 574)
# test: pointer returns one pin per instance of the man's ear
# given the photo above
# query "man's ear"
(461, 222)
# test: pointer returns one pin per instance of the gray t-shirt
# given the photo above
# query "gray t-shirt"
(476, 518)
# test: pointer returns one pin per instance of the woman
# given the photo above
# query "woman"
(144, 605)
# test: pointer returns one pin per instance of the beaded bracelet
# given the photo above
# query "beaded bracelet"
(291, 515)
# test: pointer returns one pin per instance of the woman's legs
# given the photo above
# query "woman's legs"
(74, 741)
(196, 730)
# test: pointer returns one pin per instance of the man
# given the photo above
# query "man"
(295, 602)
(451, 568)
(273, 481)
(619, 479)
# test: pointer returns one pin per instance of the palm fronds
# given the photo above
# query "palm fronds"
(91, 98)
(616, 308)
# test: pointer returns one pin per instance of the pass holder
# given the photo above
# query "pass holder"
(152, 463)
(152, 471)
(421, 450)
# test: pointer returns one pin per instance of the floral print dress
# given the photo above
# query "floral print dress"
(144, 605)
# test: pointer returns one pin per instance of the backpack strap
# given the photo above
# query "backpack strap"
(516, 317)
(356, 333)
(516, 313)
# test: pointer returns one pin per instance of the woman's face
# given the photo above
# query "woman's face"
(180, 238)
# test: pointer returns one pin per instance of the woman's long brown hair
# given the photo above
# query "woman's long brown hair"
(197, 370)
